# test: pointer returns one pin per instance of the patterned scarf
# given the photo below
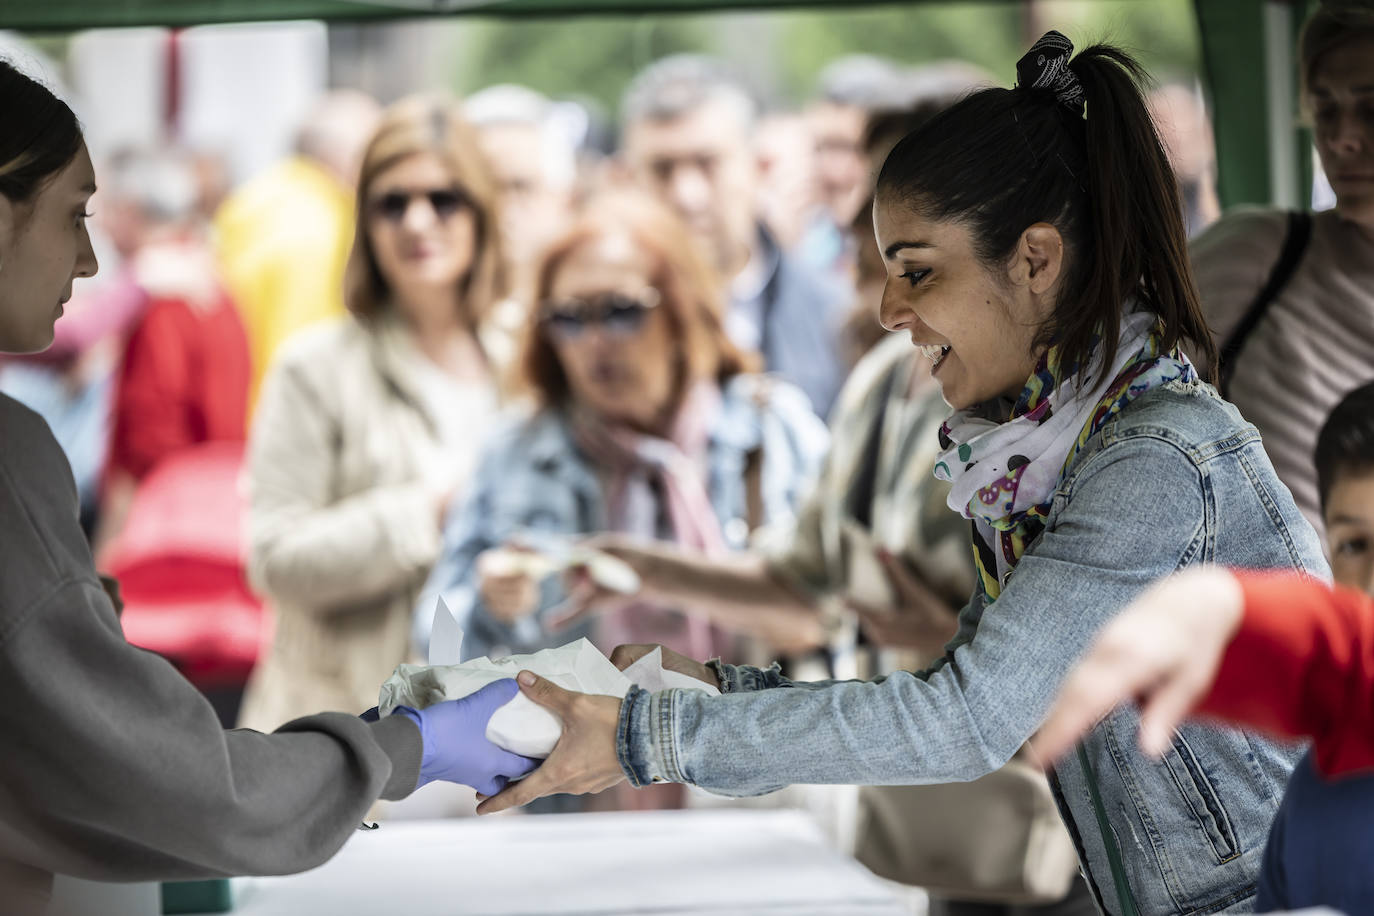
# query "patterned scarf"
(1003, 474)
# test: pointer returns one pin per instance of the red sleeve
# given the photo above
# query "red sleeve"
(225, 374)
(1302, 665)
(151, 417)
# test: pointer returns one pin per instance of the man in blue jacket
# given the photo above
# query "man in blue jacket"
(687, 127)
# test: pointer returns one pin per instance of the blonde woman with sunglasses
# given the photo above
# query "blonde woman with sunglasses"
(369, 426)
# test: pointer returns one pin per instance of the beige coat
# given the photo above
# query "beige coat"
(346, 472)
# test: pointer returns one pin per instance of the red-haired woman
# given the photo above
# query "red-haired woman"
(650, 423)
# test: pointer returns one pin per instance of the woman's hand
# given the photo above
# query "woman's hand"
(1164, 649)
(509, 592)
(920, 619)
(625, 656)
(584, 760)
(585, 597)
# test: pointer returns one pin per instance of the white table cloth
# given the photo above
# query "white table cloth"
(670, 862)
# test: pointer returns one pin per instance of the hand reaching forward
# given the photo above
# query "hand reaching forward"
(508, 591)
(586, 596)
(1163, 650)
(919, 618)
(583, 762)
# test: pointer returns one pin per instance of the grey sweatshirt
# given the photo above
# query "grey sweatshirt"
(112, 766)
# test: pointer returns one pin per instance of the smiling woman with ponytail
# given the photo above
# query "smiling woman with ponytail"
(1029, 155)
(1035, 252)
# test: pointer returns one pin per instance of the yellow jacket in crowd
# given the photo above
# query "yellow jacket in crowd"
(283, 239)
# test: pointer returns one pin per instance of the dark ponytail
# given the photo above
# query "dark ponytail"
(1085, 159)
(39, 134)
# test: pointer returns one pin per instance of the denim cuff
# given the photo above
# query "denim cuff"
(725, 675)
(644, 743)
(744, 678)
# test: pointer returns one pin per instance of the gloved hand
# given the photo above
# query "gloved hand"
(456, 748)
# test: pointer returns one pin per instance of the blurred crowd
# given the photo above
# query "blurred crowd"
(449, 333)
(446, 341)
(452, 327)
(413, 368)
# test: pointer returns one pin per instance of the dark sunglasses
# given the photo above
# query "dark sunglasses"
(617, 313)
(394, 205)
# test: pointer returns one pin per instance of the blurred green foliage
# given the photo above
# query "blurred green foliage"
(782, 52)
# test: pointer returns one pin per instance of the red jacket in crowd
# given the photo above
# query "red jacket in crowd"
(184, 381)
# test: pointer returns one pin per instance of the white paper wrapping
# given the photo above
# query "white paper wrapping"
(649, 674)
(521, 726)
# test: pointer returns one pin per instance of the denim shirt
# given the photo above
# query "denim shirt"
(802, 312)
(1177, 479)
(532, 482)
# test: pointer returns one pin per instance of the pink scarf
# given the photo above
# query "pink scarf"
(645, 476)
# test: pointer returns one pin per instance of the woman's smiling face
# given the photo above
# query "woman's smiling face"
(978, 325)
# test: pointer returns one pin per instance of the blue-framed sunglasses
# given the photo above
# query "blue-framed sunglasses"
(618, 314)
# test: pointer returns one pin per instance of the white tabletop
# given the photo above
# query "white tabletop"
(670, 862)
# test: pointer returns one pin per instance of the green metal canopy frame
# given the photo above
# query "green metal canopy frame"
(1248, 61)
(83, 14)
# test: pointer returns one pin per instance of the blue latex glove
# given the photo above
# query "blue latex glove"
(454, 733)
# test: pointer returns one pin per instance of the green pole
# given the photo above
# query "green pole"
(1232, 33)
(1249, 64)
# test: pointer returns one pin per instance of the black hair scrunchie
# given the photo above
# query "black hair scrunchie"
(1046, 66)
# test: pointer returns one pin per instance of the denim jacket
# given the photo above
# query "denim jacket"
(532, 481)
(801, 312)
(1177, 479)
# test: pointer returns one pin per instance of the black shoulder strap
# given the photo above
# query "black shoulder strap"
(864, 488)
(1294, 246)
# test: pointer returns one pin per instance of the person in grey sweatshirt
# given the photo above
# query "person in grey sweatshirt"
(113, 766)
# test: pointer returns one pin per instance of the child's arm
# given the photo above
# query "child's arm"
(1277, 651)
(1302, 664)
